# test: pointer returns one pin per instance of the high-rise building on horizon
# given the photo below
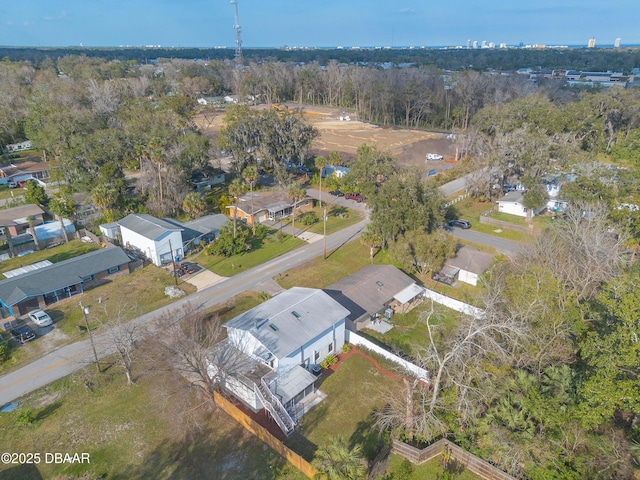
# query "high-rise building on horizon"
(591, 43)
(616, 44)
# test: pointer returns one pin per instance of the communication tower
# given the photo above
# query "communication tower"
(236, 27)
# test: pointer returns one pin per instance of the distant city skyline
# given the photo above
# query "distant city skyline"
(200, 23)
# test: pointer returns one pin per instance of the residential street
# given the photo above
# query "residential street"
(73, 357)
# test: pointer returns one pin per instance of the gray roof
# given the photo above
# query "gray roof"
(200, 226)
(290, 319)
(150, 227)
(369, 290)
(514, 196)
(60, 275)
(8, 216)
(471, 260)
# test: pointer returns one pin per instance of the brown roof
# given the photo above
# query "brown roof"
(471, 260)
(262, 201)
(26, 166)
(369, 290)
(8, 216)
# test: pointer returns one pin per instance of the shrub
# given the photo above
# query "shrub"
(24, 416)
(309, 218)
(346, 347)
(328, 361)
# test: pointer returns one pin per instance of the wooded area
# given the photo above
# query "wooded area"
(545, 385)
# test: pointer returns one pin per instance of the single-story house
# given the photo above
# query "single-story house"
(271, 350)
(470, 264)
(53, 283)
(512, 203)
(19, 147)
(24, 170)
(374, 291)
(337, 170)
(16, 219)
(272, 206)
(203, 182)
(158, 240)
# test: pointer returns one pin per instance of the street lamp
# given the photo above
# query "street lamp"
(85, 312)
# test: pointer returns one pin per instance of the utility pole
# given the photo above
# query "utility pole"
(324, 218)
(85, 312)
(173, 263)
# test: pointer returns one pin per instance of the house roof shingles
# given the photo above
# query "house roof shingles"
(290, 319)
(368, 290)
(8, 216)
(471, 260)
(60, 275)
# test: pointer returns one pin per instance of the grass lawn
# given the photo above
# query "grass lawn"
(338, 217)
(354, 391)
(318, 273)
(270, 248)
(57, 254)
(409, 332)
(132, 432)
(431, 470)
(131, 295)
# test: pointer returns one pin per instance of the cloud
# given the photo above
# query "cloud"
(407, 10)
(62, 14)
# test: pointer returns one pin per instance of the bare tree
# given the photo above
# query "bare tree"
(455, 364)
(123, 334)
(186, 345)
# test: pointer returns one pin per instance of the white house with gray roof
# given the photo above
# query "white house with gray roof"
(276, 345)
(157, 239)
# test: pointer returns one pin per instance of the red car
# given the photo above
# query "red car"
(354, 196)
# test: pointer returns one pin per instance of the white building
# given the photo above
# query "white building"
(272, 349)
(157, 239)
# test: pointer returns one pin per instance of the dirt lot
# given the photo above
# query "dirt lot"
(409, 147)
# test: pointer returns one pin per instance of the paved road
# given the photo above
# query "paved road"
(73, 357)
(501, 245)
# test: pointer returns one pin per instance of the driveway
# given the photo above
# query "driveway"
(203, 279)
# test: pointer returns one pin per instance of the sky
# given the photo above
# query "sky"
(326, 23)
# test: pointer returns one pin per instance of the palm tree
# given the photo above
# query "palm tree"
(61, 205)
(30, 219)
(236, 188)
(335, 461)
(370, 239)
(296, 193)
(320, 163)
(194, 204)
(250, 175)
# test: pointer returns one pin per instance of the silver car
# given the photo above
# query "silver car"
(40, 318)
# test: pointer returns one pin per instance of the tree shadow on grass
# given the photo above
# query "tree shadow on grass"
(368, 436)
(48, 410)
(234, 454)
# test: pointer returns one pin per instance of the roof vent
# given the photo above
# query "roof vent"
(295, 314)
(273, 327)
(379, 283)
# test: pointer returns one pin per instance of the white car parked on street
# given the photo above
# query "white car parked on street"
(40, 318)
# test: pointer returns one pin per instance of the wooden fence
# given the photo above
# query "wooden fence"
(263, 434)
(468, 460)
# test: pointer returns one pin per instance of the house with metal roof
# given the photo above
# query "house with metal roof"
(275, 347)
(375, 291)
(156, 239)
(50, 284)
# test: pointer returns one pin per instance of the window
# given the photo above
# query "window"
(113, 269)
(316, 356)
(330, 347)
(87, 279)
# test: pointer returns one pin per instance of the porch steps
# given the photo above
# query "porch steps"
(275, 408)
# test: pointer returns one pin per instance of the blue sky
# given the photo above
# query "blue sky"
(275, 23)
